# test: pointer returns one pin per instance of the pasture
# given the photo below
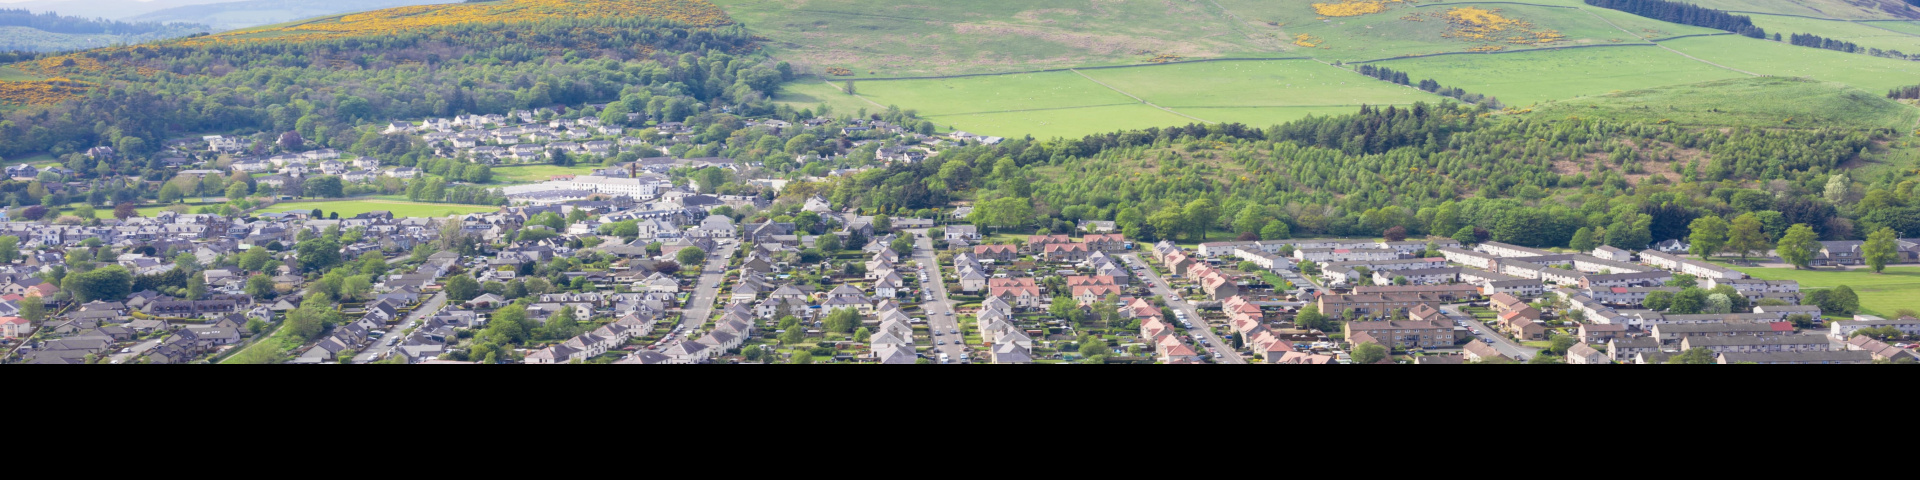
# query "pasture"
(1873, 74)
(348, 208)
(1881, 294)
(991, 94)
(1751, 102)
(536, 173)
(1064, 122)
(1524, 78)
(1861, 34)
(1845, 9)
(810, 93)
(1907, 26)
(1282, 83)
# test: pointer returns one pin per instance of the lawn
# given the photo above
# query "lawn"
(1278, 83)
(537, 173)
(1879, 294)
(348, 208)
(1751, 102)
(991, 94)
(1521, 79)
(36, 158)
(1066, 122)
(1873, 74)
(1861, 34)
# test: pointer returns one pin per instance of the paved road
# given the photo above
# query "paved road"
(940, 316)
(1159, 287)
(700, 307)
(385, 343)
(1500, 342)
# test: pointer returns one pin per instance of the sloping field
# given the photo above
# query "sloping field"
(1523, 78)
(1065, 122)
(1846, 9)
(1753, 102)
(1289, 83)
(691, 12)
(991, 94)
(1873, 74)
(1863, 34)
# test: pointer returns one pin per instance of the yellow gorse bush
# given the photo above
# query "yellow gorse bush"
(41, 92)
(1352, 8)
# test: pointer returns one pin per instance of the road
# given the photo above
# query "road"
(940, 316)
(700, 307)
(1159, 287)
(385, 343)
(1500, 342)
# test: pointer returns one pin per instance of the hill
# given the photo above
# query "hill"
(1771, 102)
(24, 30)
(253, 13)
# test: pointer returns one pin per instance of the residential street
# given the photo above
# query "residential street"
(1159, 287)
(700, 307)
(1500, 342)
(939, 311)
(384, 344)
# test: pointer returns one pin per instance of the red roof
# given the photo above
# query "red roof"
(1782, 326)
(1619, 289)
(14, 320)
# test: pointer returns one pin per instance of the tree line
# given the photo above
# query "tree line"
(1429, 85)
(1685, 14)
(1904, 93)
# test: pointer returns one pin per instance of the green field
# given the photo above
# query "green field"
(1873, 74)
(11, 74)
(992, 94)
(1909, 26)
(1753, 102)
(1406, 30)
(1858, 33)
(350, 208)
(1520, 79)
(1288, 83)
(536, 173)
(1880, 295)
(809, 93)
(1263, 117)
(1847, 9)
(1065, 122)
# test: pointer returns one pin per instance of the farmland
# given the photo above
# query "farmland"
(535, 173)
(993, 94)
(1863, 34)
(1873, 74)
(347, 208)
(1290, 83)
(1844, 9)
(1910, 26)
(1881, 295)
(1752, 102)
(1527, 77)
(1066, 122)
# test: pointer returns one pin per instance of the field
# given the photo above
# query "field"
(992, 94)
(1909, 26)
(1524, 78)
(1263, 117)
(1880, 295)
(1873, 74)
(348, 208)
(1862, 34)
(888, 38)
(536, 173)
(1846, 9)
(10, 74)
(1752, 102)
(1066, 122)
(1288, 83)
(811, 92)
(692, 12)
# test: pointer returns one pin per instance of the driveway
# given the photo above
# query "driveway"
(1491, 337)
(1159, 287)
(940, 316)
(385, 343)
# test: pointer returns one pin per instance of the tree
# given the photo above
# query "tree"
(842, 320)
(9, 248)
(1582, 240)
(110, 283)
(462, 288)
(170, 193)
(801, 358)
(33, 308)
(1369, 353)
(1311, 318)
(1837, 190)
(1275, 230)
(1688, 301)
(690, 256)
(236, 191)
(292, 141)
(1697, 356)
(255, 259)
(1395, 233)
(1658, 300)
(1466, 235)
(318, 254)
(125, 211)
(1093, 347)
(1879, 250)
(1747, 234)
(1544, 359)
(1200, 215)
(196, 287)
(1799, 246)
(793, 336)
(828, 243)
(1709, 235)
(1841, 300)
(259, 286)
(1560, 343)
(902, 246)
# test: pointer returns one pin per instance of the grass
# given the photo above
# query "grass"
(1909, 26)
(1862, 34)
(1880, 294)
(993, 94)
(1811, 8)
(1525, 78)
(35, 158)
(348, 208)
(1394, 33)
(11, 74)
(1873, 74)
(537, 173)
(1069, 122)
(1753, 102)
(810, 93)
(1281, 83)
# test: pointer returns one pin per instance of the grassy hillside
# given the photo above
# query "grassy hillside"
(1873, 74)
(378, 22)
(1846, 9)
(1867, 34)
(1752, 102)
(1523, 78)
(252, 13)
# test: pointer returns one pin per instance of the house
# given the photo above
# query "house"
(1598, 333)
(997, 253)
(968, 233)
(1797, 358)
(1401, 334)
(1477, 351)
(1842, 329)
(1880, 350)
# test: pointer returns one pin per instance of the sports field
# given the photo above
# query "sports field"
(1882, 295)
(1524, 78)
(1873, 74)
(348, 208)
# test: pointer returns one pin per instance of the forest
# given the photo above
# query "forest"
(1685, 14)
(51, 22)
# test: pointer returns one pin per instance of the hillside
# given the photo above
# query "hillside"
(1771, 102)
(23, 30)
(252, 13)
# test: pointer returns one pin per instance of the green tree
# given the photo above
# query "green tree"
(1369, 353)
(1093, 347)
(1465, 235)
(236, 191)
(196, 287)
(1799, 246)
(462, 288)
(801, 358)
(1275, 230)
(33, 308)
(9, 248)
(1311, 318)
(357, 286)
(828, 243)
(1200, 215)
(1841, 300)
(318, 254)
(1582, 240)
(1880, 249)
(1709, 235)
(691, 257)
(902, 246)
(1559, 344)
(255, 259)
(170, 193)
(259, 286)
(110, 283)
(1658, 301)
(1689, 301)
